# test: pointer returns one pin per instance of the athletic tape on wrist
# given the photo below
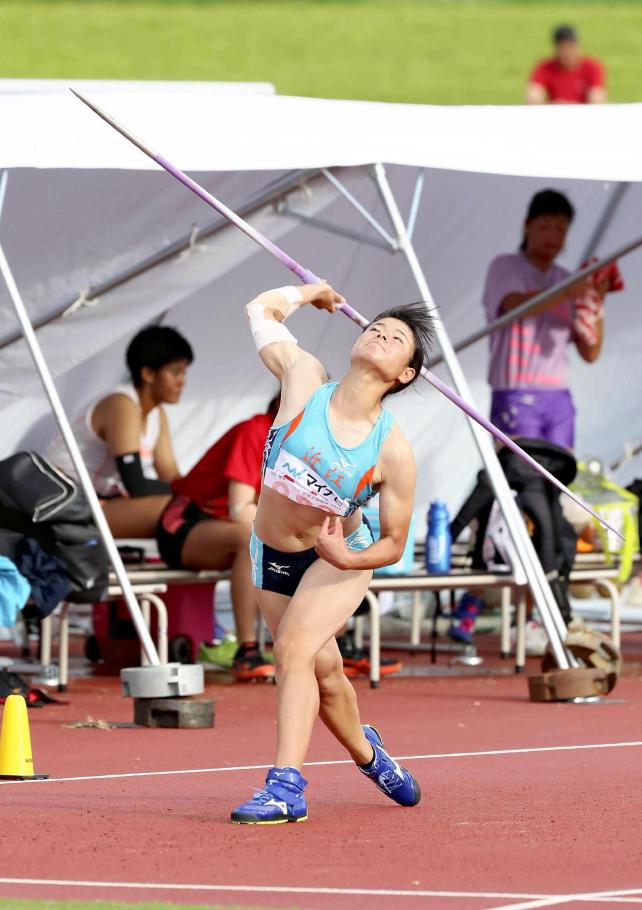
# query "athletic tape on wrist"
(266, 331)
(293, 298)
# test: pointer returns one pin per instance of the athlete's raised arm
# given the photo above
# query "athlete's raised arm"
(298, 371)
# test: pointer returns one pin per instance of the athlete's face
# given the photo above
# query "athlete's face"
(389, 345)
(167, 383)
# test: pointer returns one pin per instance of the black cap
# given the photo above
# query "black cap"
(564, 33)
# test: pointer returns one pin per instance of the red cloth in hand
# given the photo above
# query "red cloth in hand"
(608, 277)
(589, 302)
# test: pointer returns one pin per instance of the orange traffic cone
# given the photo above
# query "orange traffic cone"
(16, 762)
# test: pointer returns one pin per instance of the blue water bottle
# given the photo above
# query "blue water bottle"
(438, 539)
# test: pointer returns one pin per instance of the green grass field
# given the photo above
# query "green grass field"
(436, 51)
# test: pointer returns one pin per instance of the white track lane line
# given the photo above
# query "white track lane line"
(268, 889)
(559, 899)
(527, 901)
(619, 900)
(312, 764)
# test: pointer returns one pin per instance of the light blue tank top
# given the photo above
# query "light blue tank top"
(303, 461)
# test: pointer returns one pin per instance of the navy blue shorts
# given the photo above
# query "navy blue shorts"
(274, 570)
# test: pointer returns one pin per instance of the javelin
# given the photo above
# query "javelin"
(308, 277)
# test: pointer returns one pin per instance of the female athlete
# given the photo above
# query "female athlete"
(332, 448)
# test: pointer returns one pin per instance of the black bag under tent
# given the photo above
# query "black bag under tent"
(42, 512)
(553, 536)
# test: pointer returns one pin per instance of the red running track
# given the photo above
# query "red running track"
(504, 830)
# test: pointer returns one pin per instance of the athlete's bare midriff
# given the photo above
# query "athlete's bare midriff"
(291, 527)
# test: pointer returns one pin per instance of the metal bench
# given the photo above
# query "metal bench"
(149, 581)
(152, 579)
(589, 567)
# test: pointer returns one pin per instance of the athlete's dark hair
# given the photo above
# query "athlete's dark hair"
(155, 347)
(419, 320)
(548, 202)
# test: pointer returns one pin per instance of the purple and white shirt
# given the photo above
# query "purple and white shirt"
(531, 352)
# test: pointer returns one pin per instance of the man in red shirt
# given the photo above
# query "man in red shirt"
(207, 525)
(568, 77)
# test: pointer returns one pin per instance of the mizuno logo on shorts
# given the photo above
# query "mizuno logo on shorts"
(279, 570)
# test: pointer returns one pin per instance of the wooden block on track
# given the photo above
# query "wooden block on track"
(562, 685)
(175, 713)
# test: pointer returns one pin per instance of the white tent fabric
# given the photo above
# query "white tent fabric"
(87, 212)
(229, 132)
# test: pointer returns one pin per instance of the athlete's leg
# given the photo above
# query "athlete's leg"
(310, 679)
(323, 601)
(337, 704)
(217, 544)
(134, 516)
(338, 707)
(337, 700)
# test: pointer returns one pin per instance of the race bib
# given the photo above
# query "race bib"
(299, 482)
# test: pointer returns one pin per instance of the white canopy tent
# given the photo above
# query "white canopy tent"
(249, 130)
(82, 206)
(87, 217)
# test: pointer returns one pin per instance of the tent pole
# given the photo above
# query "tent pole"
(3, 189)
(321, 225)
(354, 202)
(524, 308)
(611, 207)
(551, 616)
(79, 464)
(307, 276)
(416, 199)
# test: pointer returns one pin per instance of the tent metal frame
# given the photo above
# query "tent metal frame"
(268, 196)
(62, 420)
(612, 205)
(525, 308)
(28, 332)
(416, 200)
(336, 230)
(83, 475)
(549, 610)
(400, 240)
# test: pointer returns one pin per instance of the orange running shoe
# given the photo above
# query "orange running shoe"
(250, 664)
(357, 660)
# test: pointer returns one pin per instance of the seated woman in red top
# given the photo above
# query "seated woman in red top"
(568, 77)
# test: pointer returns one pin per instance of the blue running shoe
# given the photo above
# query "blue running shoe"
(281, 801)
(387, 774)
